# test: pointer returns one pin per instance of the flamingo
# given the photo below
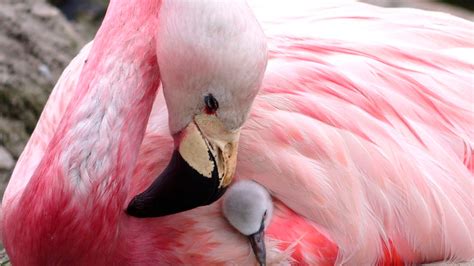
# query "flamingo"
(248, 207)
(362, 132)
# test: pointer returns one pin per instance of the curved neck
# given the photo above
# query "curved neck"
(97, 141)
(85, 172)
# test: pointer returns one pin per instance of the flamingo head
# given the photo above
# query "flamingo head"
(248, 207)
(212, 56)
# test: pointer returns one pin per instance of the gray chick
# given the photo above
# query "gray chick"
(248, 207)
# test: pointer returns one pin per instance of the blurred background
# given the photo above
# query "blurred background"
(38, 38)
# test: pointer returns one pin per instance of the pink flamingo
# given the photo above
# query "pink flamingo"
(362, 132)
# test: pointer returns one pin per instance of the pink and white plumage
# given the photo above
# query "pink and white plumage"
(362, 131)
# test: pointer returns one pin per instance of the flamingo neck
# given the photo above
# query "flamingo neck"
(83, 179)
(95, 147)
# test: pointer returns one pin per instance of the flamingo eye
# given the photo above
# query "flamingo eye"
(211, 103)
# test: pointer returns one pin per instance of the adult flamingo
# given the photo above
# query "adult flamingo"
(362, 132)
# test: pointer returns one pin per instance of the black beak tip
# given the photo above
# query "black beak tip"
(258, 246)
(261, 258)
(178, 188)
(136, 208)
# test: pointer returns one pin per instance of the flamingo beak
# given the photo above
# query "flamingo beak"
(201, 168)
(257, 240)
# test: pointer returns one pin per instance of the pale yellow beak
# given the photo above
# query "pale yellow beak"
(208, 134)
(200, 170)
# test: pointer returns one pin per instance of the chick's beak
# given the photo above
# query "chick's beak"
(257, 240)
(201, 168)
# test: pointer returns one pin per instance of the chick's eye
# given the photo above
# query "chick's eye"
(211, 103)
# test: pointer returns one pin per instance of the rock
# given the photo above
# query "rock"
(6, 159)
(86, 15)
(36, 44)
(44, 10)
(6, 167)
(4, 261)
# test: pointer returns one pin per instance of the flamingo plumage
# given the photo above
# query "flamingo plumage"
(362, 132)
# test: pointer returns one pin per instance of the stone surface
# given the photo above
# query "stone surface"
(36, 43)
(6, 167)
(6, 159)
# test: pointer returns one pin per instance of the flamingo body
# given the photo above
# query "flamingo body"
(362, 132)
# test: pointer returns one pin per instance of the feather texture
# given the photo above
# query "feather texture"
(363, 131)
